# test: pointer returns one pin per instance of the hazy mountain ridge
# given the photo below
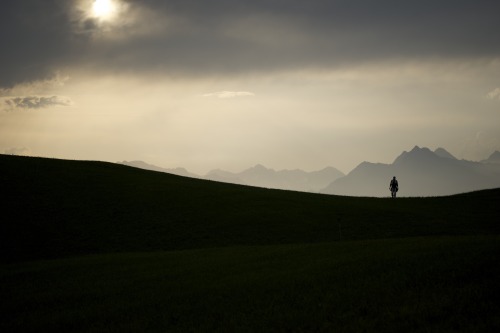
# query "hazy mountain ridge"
(441, 152)
(296, 180)
(175, 171)
(260, 176)
(494, 158)
(224, 176)
(420, 172)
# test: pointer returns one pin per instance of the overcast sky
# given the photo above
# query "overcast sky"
(231, 83)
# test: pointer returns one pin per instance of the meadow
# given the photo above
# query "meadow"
(99, 247)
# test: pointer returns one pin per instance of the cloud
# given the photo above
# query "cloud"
(235, 36)
(44, 86)
(18, 151)
(34, 48)
(229, 94)
(35, 102)
(494, 94)
(35, 95)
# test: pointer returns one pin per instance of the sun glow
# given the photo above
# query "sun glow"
(103, 9)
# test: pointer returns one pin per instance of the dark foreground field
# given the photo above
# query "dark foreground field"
(98, 247)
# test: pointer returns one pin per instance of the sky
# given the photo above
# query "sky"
(230, 84)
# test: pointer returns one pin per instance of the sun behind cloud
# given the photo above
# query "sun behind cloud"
(103, 9)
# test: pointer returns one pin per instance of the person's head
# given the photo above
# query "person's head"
(394, 177)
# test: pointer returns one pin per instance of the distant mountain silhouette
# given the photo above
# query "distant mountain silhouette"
(224, 176)
(441, 152)
(420, 172)
(176, 171)
(296, 180)
(494, 158)
(259, 175)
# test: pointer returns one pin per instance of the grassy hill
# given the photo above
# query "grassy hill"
(54, 208)
(100, 247)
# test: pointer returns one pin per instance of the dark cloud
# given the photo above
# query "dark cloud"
(35, 102)
(200, 37)
(35, 39)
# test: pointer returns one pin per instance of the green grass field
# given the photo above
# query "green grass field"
(98, 247)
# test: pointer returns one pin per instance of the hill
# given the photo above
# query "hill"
(59, 208)
(420, 172)
(101, 247)
(431, 284)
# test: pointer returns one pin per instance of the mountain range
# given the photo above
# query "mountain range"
(260, 176)
(420, 172)
(175, 171)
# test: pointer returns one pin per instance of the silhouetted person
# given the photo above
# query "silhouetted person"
(394, 187)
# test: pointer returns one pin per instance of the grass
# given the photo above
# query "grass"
(97, 247)
(57, 208)
(380, 285)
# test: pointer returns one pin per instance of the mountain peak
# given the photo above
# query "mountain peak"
(424, 150)
(494, 158)
(259, 167)
(415, 153)
(441, 152)
(420, 172)
(495, 155)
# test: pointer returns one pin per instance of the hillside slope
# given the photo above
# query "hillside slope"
(422, 284)
(57, 208)
(237, 258)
